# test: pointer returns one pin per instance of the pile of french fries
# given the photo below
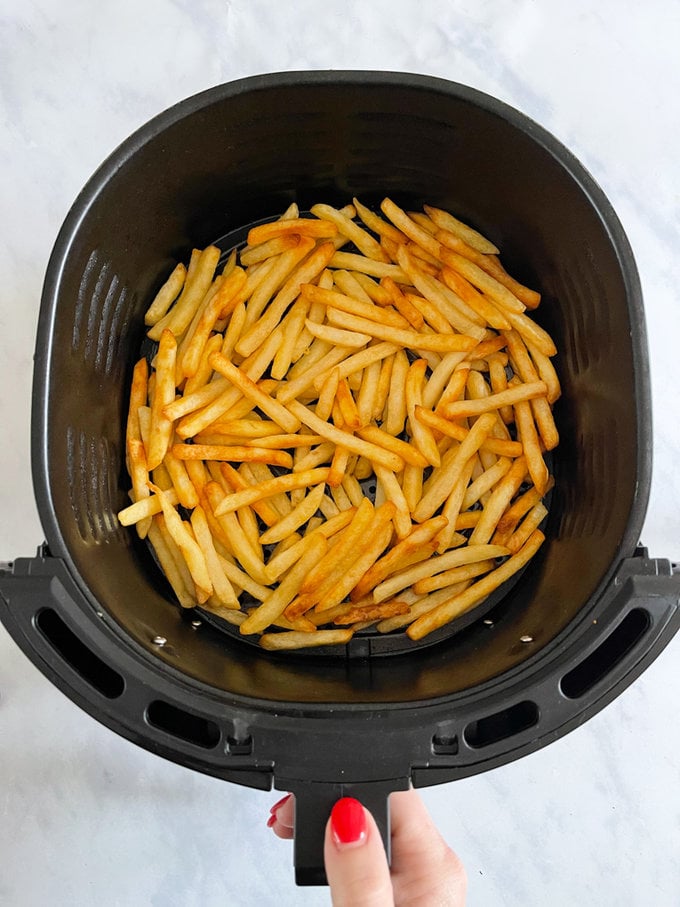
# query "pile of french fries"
(331, 440)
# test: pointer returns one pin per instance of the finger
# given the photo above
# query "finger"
(424, 868)
(356, 865)
(282, 818)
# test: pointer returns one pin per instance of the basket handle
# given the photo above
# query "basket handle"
(313, 804)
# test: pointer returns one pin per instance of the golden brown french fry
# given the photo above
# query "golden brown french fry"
(336, 335)
(485, 482)
(420, 433)
(420, 604)
(409, 228)
(402, 449)
(234, 454)
(500, 497)
(519, 507)
(476, 593)
(143, 508)
(347, 405)
(375, 223)
(442, 482)
(364, 242)
(166, 295)
(186, 493)
(345, 439)
(394, 493)
(316, 229)
(513, 395)
(446, 221)
(251, 255)
(276, 602)
(531, 521)
(139, 474)
(266, 489)
(275, 410)
(369, 311)
(351, 262)
(186, 543)
(366, 399)
(498, 294)
(307, 271)
(222, 588)
(452, 577)
(526, 429)
(164, 393)
(292, 639)
(442, 343)
(372, 612)
(378, 537)
(296, 518)
(185, 595)
(196, 286)
(220, 305)
(446, 538)
(459, 557)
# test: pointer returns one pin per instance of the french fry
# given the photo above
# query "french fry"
(345, 439)
(266, 489)
(350, 339)
(276, 642)
(442, 343)
(316, 229)
(500, 497)
(364, 242)
(457, 558)
(164, 393)
(308, 270)
(510, 397)
(233, 454)
(251, 255)
(452, 577)
(186, 543)
(222, 588)
(379, 534)
(531, 521)
(172, 572)
(296, 518)
(195, 287)
(421, 434)
(352, 262)
(446, 221)
(476, 593)
(526, 428)
(166, 295)
(443, 481)
(144, 508)
(275, 410)
(275, 604)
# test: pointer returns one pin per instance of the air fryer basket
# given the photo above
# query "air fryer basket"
(92, 609)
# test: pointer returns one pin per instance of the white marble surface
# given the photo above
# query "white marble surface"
(87, 818)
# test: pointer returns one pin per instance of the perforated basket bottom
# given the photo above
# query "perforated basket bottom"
(366, 642)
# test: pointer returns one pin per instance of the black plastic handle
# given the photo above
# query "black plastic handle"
(313, 805)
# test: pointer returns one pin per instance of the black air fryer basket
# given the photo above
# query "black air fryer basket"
(93, 611)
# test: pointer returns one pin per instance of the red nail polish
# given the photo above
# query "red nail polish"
(271, 820)
(279, 803)
(348, 822)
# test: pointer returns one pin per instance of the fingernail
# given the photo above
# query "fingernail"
(348, 822)
(271, 820)
(279, 803)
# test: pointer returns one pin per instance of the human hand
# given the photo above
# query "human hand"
(425, 871)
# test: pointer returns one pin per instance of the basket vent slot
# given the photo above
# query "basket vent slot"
(92, 465)
(102, 317)
(78, 656)
(183, 725)
(595, 667)
(501, 725)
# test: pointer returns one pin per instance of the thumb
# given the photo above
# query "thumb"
(356, 864)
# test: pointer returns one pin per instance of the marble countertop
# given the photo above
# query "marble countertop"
(86, 817)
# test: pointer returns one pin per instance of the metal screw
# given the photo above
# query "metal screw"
(489, 623)
(196, 624)
(159, 640)
(100, 613)
(526, 639)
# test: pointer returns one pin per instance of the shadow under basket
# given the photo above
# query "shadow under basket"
(93, 611)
